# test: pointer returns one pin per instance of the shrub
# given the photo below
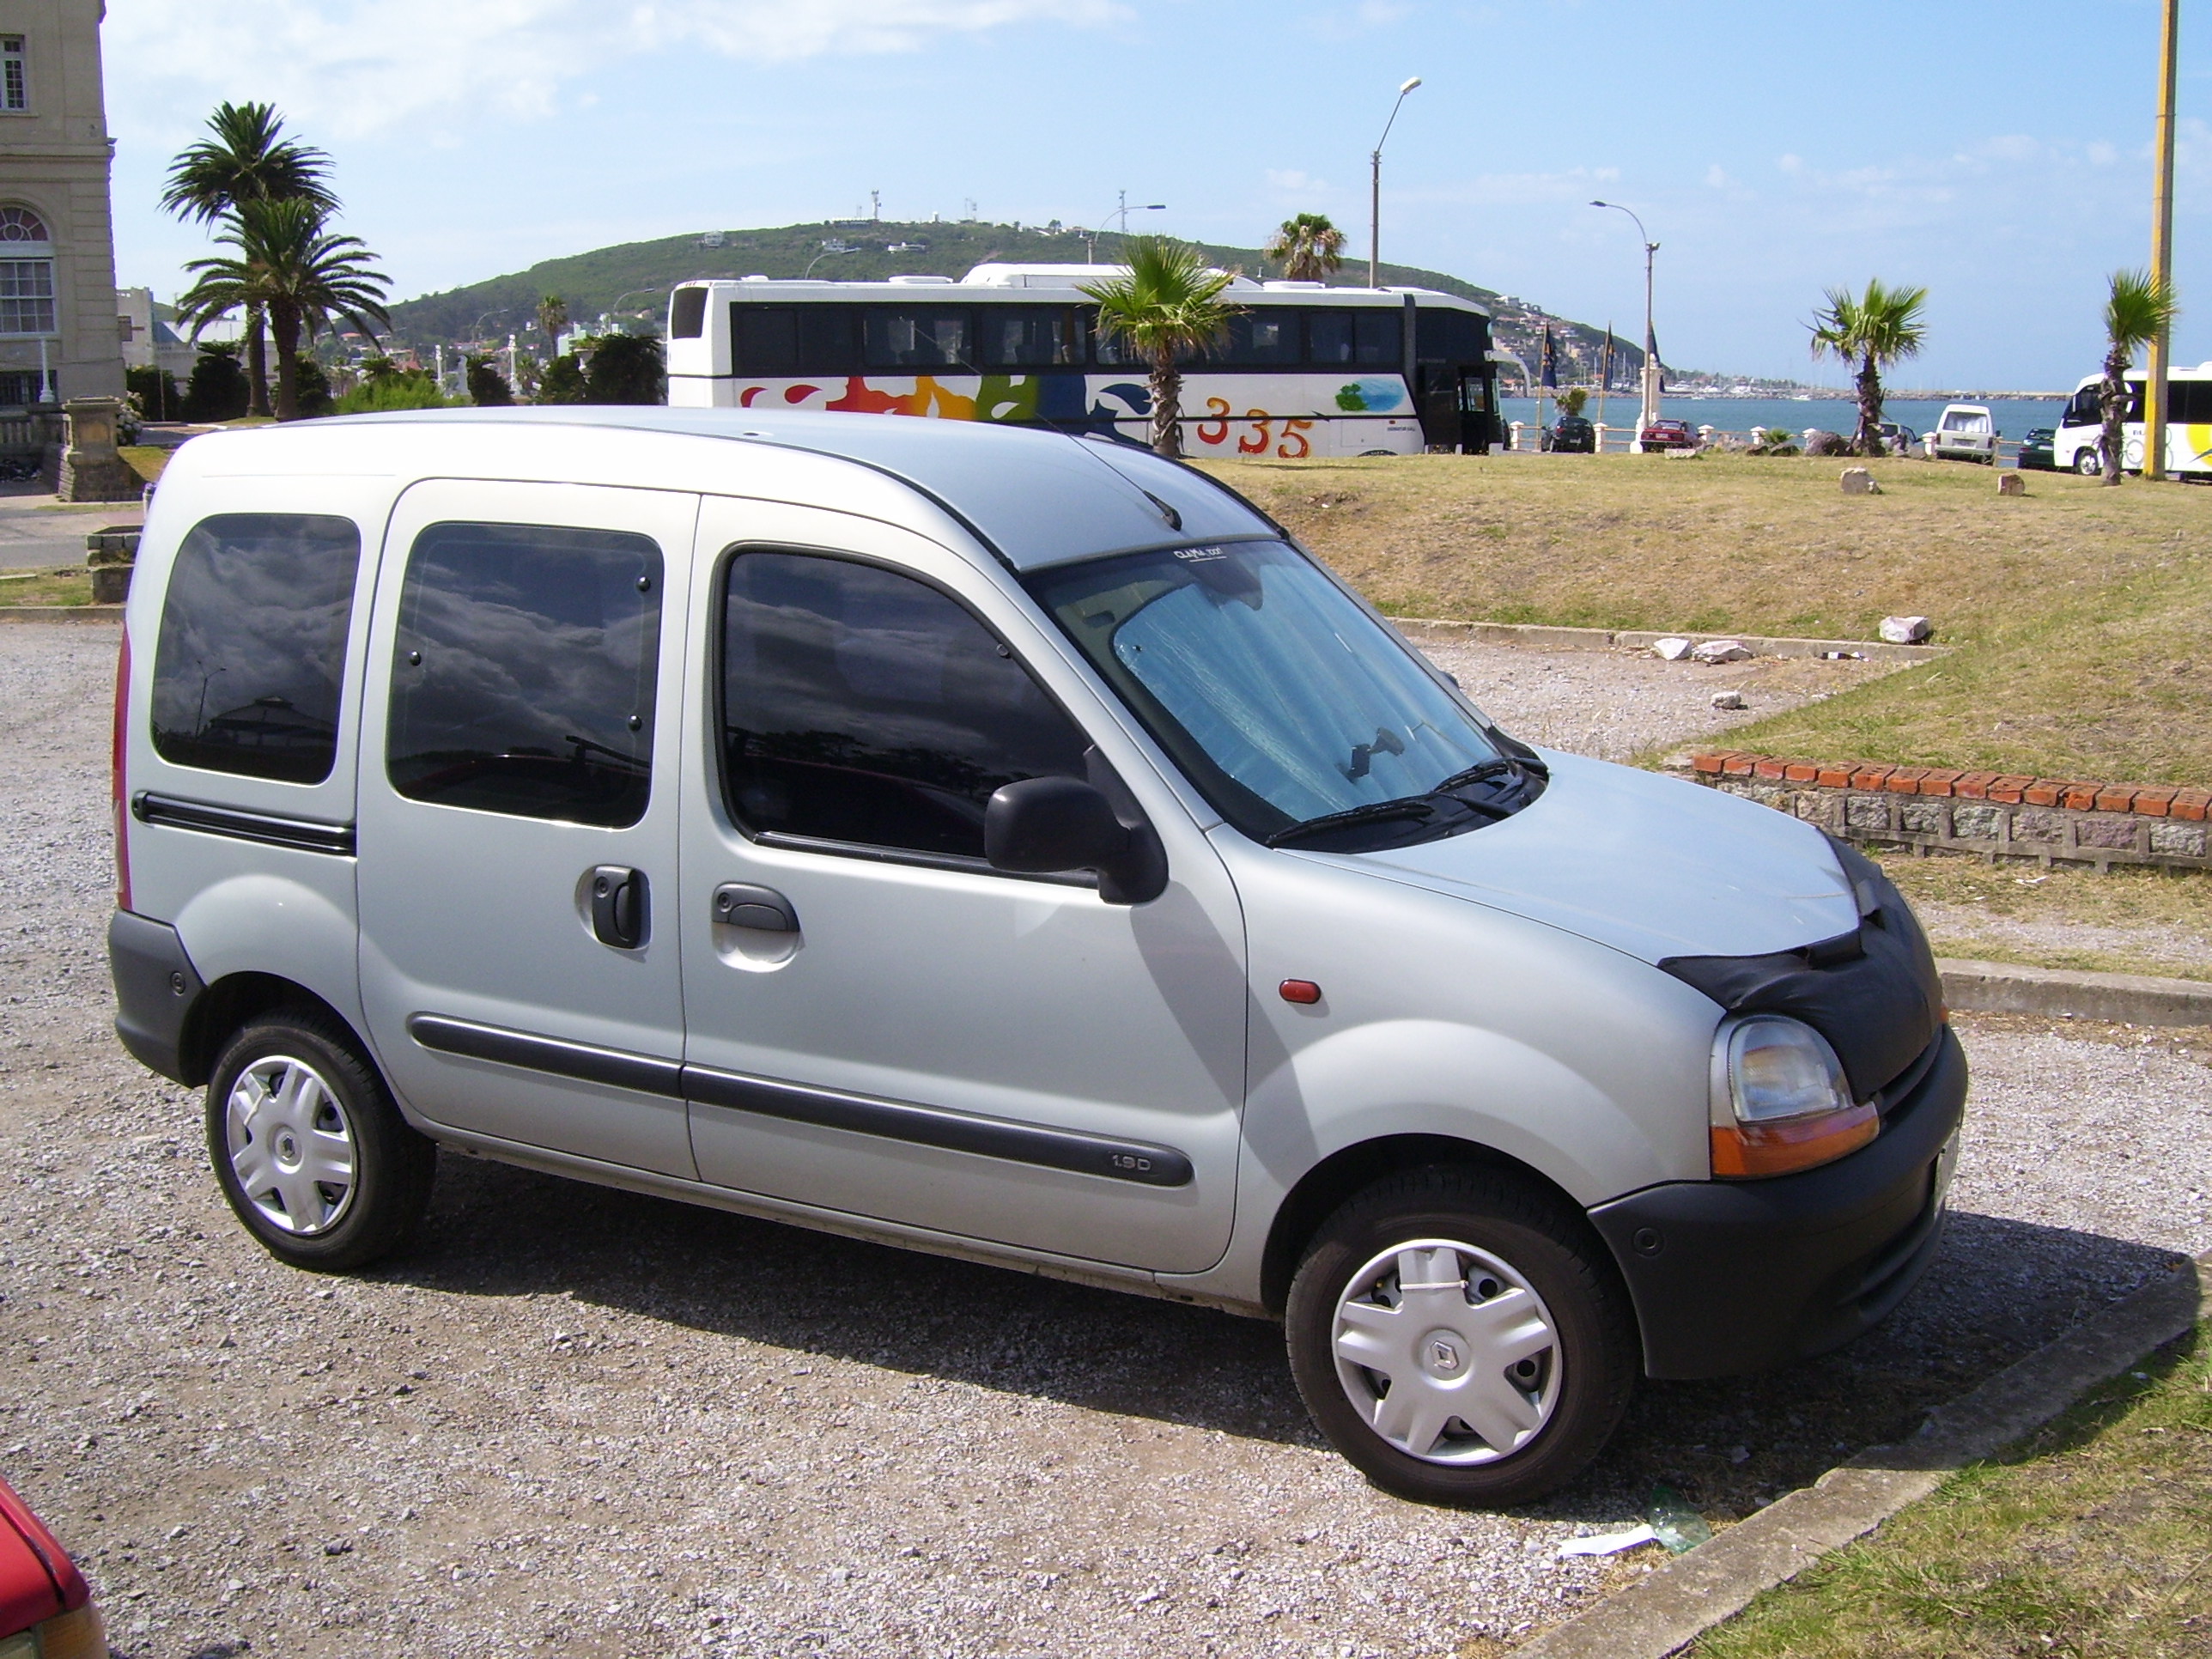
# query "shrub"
(488, 387)
(156, 392)
(218, 390)
(403, 388)
(626, 369)
(563, 381)
(1774, 441)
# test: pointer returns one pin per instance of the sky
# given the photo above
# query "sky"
(1997, 155)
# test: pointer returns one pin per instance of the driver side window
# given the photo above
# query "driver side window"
(523, 674)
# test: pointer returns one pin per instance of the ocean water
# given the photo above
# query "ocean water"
(2014, 416)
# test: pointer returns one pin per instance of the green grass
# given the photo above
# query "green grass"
(2129, 921)
(2092, 1539)
(64, 587)
(2084, 613)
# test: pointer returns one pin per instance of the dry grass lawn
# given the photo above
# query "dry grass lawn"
(2127, 922)
(2092, 1538)
(2084, 612)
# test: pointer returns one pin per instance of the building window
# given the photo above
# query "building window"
(27, 274)
(15, 85)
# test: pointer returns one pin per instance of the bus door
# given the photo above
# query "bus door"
(1437, 400)
(1477, 407)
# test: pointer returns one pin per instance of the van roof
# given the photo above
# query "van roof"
(1034, 498)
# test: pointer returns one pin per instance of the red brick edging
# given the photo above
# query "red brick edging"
(1995, 814)
(2152, 800)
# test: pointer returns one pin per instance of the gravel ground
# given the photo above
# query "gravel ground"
(578, 1421)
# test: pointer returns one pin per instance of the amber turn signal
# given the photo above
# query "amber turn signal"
(1787, 1145)
(1299, 990)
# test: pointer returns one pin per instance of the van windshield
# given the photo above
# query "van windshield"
(1300, 717)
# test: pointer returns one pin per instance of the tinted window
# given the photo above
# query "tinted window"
(766, 339)
(904, 338)
(252, 645)
(2188, 403)
(1108, 350)
(1031, 337)
(1262, 339)
(858, 705)
(687, 314)
(1369, 338)
(2083, 410)
(523, 678)
(775, 340)
(1450, 336)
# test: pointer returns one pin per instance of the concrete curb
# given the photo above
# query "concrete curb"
(1680, 1602)
(1426, 631)
(61, 613)
(2005, 987)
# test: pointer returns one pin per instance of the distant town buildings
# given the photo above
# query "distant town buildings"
(60, 333)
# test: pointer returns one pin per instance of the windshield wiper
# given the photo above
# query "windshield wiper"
(1378, 812)
(1485, 770)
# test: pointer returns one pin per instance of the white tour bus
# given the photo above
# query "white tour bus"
(2188, 426)
(1306, 369)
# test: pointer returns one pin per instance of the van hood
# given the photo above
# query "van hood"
(1648, 864)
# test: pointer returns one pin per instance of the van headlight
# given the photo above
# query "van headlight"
(1781, 1102)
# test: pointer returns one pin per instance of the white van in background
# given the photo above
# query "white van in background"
(1966, 433)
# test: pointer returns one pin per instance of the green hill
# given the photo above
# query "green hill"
(630, 282)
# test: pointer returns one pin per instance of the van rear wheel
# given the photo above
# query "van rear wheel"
(309, 1148)
(1460, 1338)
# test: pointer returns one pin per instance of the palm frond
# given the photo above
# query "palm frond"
(2138, 309)
(1169, 305)
(247, 158)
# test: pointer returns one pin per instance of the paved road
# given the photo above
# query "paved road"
(35, 533)
(580, 1421)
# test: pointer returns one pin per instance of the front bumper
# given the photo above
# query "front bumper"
(1729, 1277)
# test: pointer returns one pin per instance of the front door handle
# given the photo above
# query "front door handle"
(620, 908)
(742, 904)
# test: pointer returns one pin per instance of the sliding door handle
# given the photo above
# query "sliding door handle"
(741, 904)
(620, 907)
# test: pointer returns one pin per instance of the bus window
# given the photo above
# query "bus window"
(1261, 339)
(1110, 350)
(1031, 337)
(687, 316)
(766, 339)
(1368, 337)
(2083, 410)
(2188, 403)
(901, 337)
(1450, 336)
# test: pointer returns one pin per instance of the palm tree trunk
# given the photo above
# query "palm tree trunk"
(2112, 405)
(1870, 438)
(285, 324)
(257, 362)
(1167, 408)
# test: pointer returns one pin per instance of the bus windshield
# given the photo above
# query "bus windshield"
(1301, 717)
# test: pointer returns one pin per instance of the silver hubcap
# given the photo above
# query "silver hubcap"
(291, 1145)
(1447, 1352)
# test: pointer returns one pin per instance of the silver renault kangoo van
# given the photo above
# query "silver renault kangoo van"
(1004, 844)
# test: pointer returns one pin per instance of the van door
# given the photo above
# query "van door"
(879, 1024)
(519, 962)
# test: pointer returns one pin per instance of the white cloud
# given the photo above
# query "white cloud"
(1292, 182)
(359, 66)
(1716, 177)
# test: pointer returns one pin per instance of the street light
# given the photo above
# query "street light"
(1651, 402)
(1121, 211)
(1375, 191)
(820, 257)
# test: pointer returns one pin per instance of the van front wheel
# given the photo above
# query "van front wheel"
(1460, 1338)
(308, 1147)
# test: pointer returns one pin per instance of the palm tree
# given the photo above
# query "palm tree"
(247, 160)
(1168, 306)
(552, 318)
(2138, 309)
(297, 272)
(1309, 247)
(1874, 331)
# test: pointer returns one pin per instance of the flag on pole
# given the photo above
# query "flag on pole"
(1605, 375)
(1551, 375)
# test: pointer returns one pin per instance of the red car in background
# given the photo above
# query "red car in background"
(45, 1606)
(1668, 435)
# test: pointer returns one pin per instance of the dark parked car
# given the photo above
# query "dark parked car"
(1571, 435)
(1669, 434)
(2035, 454)
(45, 1607)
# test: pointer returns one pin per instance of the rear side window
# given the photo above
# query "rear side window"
(687, 314)
(251, 653)
(524, 674)
(862, 706)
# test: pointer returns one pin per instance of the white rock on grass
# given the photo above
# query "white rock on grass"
(1673, 648)
(1906, 630)
(1857, 480)
(1729, 699)
(1721, 651)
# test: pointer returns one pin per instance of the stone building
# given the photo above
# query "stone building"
(60, 337)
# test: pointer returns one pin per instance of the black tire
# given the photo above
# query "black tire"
(284, 1150)
(1578, 1387)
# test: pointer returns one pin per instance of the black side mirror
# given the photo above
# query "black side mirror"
(1043, 826)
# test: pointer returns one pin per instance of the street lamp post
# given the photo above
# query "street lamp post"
(2157, 396)
(1650, 408)
(1375, 191)
(1121, 211)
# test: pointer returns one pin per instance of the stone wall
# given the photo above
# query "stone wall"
(1995, 815)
